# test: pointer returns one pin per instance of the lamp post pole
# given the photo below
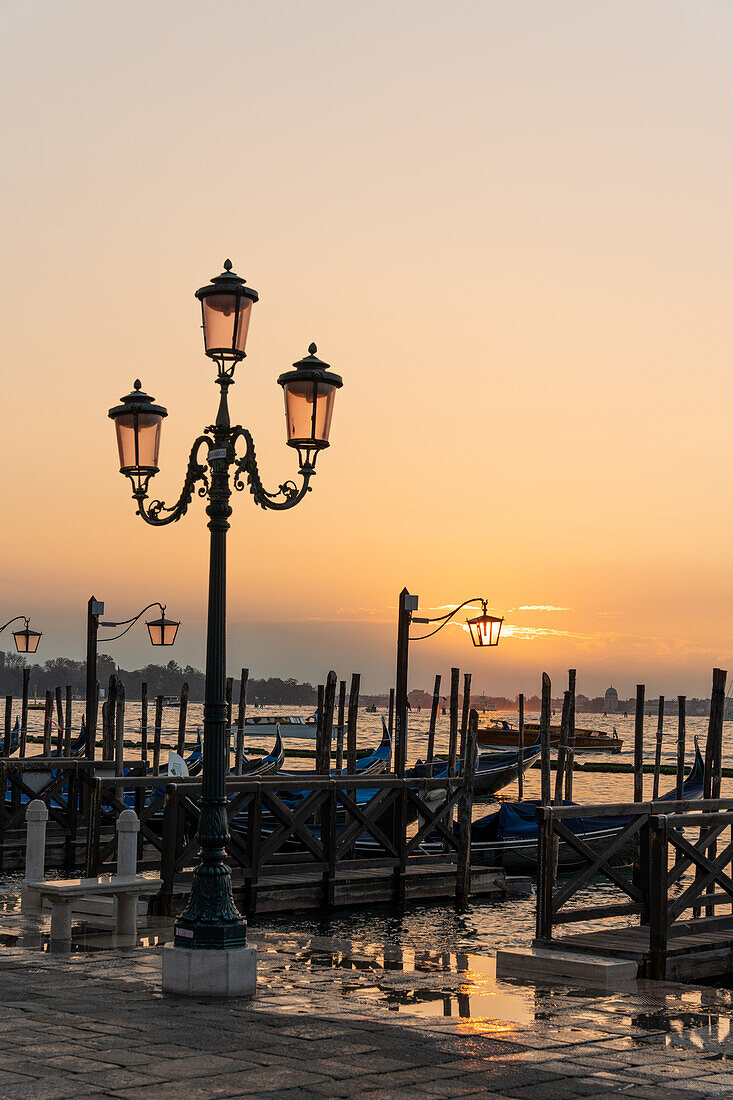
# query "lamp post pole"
(211, 920)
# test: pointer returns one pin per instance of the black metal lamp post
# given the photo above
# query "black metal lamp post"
(26, 640)
(211, 919)
(485, 630)
(162, 631)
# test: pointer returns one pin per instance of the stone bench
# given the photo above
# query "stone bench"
(62, 893)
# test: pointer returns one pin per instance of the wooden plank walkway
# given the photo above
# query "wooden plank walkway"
(696, 949)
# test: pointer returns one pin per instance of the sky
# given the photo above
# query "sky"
(505, 224)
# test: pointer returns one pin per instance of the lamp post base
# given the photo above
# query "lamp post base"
(212, 973)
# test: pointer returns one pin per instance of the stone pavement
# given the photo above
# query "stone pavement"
(341, 1019)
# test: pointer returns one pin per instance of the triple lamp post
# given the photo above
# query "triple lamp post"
(209, 953)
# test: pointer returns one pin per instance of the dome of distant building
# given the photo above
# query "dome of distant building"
(611, 700)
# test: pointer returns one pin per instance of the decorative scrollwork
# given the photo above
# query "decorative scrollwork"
(290, 493)
(153, 512)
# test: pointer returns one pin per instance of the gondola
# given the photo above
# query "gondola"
(508, 837)
(375, 763)
(494, 770)
(264, 765)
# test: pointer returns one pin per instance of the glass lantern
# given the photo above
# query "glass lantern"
(485, 629)
(226, 307)
(26, 640)
(310, 390)
(138, 423)
(162, 631)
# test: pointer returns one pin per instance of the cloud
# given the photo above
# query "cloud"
(538, 607)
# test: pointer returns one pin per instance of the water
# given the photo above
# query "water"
(484, 925)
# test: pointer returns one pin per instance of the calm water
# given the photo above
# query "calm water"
(484, 925)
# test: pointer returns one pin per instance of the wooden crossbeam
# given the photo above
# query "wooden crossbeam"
(597, 865)
(365, 819)
(589, 855)
(713, 873)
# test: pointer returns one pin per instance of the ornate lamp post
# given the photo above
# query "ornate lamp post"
(485, 630)
(162, 631)
(26, 640)
(211, 919)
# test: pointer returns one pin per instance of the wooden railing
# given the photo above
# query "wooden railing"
(647, 859)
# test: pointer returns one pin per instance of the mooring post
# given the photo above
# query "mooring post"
(183, 710)
(390, 719)
(156, 733)
(8, 724)
(340, 728)
(24, 712)
(241, 712)
(520, 746)
(562, 748)
(67, 722)
(658, 897)
(108, 736)
(570, 764)
(658, 748)
(36, 817)
(351, 720)
(319, 730)
(144, 722)
(120, 730)
(47, 720)
(639, 745)
(95, 608)
(431, 729)
(455, 674)
(464, 712)
(329, 705)
(465, 810)
(681, 736)
(59, 723)
(545, 738)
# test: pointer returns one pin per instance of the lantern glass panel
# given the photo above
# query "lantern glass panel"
(26, 641)
(138, 439)
(308, 411)
(162, 631)
(485, 630)
(226, 323)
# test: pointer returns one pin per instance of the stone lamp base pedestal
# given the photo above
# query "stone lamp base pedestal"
(210, 973)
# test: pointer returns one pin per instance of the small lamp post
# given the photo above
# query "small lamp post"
(485, 630)
(26, 640)
(211, 920)
(162, 631)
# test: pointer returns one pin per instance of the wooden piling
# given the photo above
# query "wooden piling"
(658, 747)
(241, 713)
(229, 695)
(47, 720)
(390, 719)
(109, 730)
(464, 712)
(319, 728)
(144, 722)
(465, 810)
(570, 759)
(639, 745)
(329, 705)
(562, 748)
(120, 729)
(340, 728)
(713, 748)
(545, 739)
(181, 743)
(520, 746)
(433, 720)
(68, 722)
(453, 721)
(59, 723)
(8, 727)
(681, 736)
(24, 713)
(156, 733)
(351, 720)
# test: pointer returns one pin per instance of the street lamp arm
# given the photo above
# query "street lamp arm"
(152, 512)
(289, 492)
(129, 623)
(445, 619)
(14, 620)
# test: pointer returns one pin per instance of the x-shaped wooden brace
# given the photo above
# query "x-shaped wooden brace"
(598, 864)
(433, 819)
(714, 874)
(365, 818)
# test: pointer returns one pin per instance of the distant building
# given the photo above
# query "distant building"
(611, 701)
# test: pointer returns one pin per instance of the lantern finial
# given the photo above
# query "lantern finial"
(137, 384)
(312, 349)
(227, 265)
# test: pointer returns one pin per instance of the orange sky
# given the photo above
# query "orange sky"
(506, 225)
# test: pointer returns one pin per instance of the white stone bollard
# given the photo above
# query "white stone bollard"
(36, 817)
(128, 827)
